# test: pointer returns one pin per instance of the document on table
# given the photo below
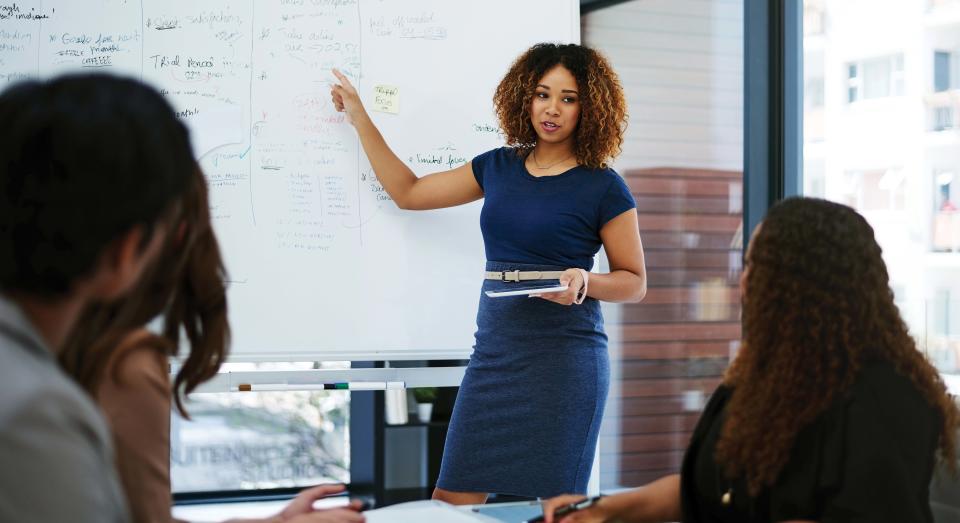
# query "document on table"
(427, 511)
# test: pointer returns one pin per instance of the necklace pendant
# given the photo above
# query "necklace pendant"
(727, 497)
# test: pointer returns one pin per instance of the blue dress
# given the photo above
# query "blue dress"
(528, 411)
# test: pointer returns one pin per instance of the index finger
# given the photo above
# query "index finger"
(561, 294)
(340, 76)
(321, 491)
(548, 295)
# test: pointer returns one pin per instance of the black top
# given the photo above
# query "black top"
(868, 458)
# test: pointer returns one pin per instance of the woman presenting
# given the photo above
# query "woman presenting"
(528, 412)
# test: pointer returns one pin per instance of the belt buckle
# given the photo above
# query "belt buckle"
(515, 272)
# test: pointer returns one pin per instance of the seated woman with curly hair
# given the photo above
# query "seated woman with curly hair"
(829, 412)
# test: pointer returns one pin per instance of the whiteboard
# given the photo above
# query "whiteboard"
(323, 265)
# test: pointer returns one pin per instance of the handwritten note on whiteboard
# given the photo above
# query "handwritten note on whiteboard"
(386, 99)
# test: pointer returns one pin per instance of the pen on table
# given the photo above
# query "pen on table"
(567, 509)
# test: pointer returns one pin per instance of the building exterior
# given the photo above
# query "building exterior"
(882, 134)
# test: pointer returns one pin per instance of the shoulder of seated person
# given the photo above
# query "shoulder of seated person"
(55, 410)
(139, 355)
(878, 373)
(880, 382)
(33, 384)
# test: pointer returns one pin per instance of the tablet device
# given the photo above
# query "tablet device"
(510, 512)
(526, 291)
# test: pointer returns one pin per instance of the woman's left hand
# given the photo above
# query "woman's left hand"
(303, 504)
(573, 279)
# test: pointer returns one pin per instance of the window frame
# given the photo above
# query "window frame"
(773, 98)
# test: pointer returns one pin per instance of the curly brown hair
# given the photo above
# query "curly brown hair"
(603, 109)
(818, 307)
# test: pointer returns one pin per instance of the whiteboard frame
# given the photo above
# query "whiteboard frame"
(411, 377)
(349, 355)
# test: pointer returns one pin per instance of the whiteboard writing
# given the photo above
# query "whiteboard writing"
(322, 263)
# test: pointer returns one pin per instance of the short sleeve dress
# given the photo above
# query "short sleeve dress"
(528, 411)
(867, 458)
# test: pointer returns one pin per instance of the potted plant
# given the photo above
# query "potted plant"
(425, 397)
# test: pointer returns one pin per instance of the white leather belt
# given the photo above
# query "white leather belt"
(519, 275)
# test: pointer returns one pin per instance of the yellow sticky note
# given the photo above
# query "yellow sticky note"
(386, 99)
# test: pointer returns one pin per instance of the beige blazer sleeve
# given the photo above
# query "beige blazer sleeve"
(135, 397)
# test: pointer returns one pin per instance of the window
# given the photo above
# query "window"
(875, 190)
(260, 440)
(942, 77)
(853, 83)
(884, 163)
(943, 103)
(813, 93)
(814, 21)
(943, 118)
(946, 217)
(875, 78)
(943, 335)
(681, 64)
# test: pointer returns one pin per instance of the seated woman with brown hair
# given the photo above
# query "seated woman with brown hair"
(125, 366)
(829, 413)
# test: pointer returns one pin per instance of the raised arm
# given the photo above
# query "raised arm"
(443, 189)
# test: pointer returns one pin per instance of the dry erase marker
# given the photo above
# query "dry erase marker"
(359, 385)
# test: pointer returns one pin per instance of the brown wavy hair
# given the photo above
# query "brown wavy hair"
(818, 307)
(603, 107)
(184, 285)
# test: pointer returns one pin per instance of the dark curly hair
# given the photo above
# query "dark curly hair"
(603, 109)
(818, 307)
